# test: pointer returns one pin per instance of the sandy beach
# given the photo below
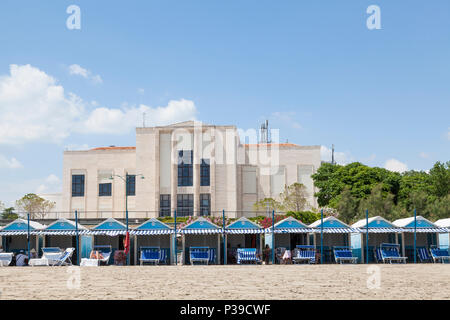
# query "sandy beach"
(425, 281)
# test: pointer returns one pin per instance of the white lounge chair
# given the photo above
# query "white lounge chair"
(5, 258)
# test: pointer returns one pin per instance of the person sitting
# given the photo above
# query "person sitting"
(33, 254)
(96, 255)
(266, 254)
(21, 259)
(287, 257)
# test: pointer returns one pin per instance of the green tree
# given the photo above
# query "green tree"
(379, 203)
(36, 206)
(440, 179)
(307, 217)
(347, 206)
(293, 198)
(9, 214)
(439, 209)
(266, 204)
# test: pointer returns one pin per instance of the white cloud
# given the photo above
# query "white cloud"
(287, 118)
(12, 163)
(424, 155)
(35, 108)
(76, 147)
(339, 157)
(395, 165)
(50, 184)
(75, 69)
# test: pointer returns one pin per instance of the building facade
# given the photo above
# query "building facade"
(191, 167)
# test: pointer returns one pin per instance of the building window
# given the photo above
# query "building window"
(131, 185)
(204, 172)
(205, 204)
(78, 185)
(185, 168)
(104, 189)
(185, 205)
(164, 205)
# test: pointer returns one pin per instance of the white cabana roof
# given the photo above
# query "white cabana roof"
(200, 226)
(443, 223)
(423, 225)
(243, 226)
(20, 227)
(332, 225)
(152, 227)
(64, 224)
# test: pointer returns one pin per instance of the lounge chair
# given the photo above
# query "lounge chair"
(199, 254)
(65, 258)
(150, 254)
(378, 256)
(212, 256)
(5, 258)
(424, 255)
(390, 253)
(52, 254)
(102, 253)
(304, 254)
(163, 255)
(247, 255)
(439, 254)
(344, 254)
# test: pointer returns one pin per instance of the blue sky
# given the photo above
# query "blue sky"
(312, 68)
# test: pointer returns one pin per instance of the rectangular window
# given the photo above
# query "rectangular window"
(131, 185)
(104, 189)
(185, 205)
(205, 204)
(164, 205)
(204, 172)
(78, 185)
(185, 176)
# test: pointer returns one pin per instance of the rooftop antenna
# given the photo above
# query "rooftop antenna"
(332, 154)
(264, 132)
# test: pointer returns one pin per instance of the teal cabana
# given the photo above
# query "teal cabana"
(62, 233)
(427, 235)
(289, 233)
(201, 233)
(242, 233)
(335, 234)
(154, 233)
(380, 231)
(14, 236)
(108, 233)
(444, 238)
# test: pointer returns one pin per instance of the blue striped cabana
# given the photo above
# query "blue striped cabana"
(243, 233)
(14, 235)
(289, 233)
(201, 233)
(380, 231)
(153, 233)
(444, 238)
(335, 233)
(427, 234)
(109, 232)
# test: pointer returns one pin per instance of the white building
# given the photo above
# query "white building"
(191, 167)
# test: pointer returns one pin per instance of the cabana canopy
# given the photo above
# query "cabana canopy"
(290, 225)
(377, 225)
(201, 226)
(20, 227)
(64, 227)
(152, 227)
(332, 225)
(243, 226)
(109, 227)
(423, 225)
(443, 223)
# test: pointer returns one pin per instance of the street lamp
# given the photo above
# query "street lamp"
(125, 179)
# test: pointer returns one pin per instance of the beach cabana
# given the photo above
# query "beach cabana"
(204, 234)
(14, 235)
(62, 234)
(289, 233)
(243, 233)
(335, 234)
(156, 234)
(108, 233)
(444, 238)
(380, 231)
(427, 235)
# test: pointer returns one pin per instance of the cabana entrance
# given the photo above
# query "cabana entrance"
(242, 234)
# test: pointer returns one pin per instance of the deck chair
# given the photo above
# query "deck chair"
(5, 258)
(65, 258)
(390, 253)
(424, 255)
(304, 254)
(378, 256)
(102, 253)
(212, 255)
(163, 255)
(344, 254)
(52, 254)
(439, 254)
(150, 254)
(199, 254)
(247, 255)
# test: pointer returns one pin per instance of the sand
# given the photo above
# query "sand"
(422, 281)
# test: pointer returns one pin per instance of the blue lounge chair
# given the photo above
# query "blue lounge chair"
(439, 254)
(102, 253)
(304, 254)
(378, 256)
(150, 254)
(199, 254)
(344, 254)
(163, 255)
(247, 255)
(390, 253)
(424, 255)
(65, 258)
(212, 255)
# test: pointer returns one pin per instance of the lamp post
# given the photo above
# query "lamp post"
(125, 179)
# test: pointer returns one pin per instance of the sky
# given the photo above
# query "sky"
(312, 68)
